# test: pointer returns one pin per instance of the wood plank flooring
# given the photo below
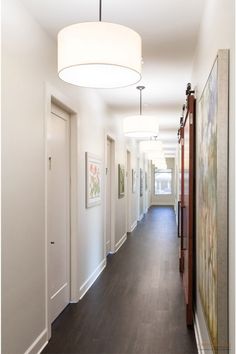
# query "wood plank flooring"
(136, 306)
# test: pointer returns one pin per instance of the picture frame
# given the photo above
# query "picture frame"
(93, 180)
(146, 181)
(212, 203)
(141, 182)
(134, 177)
(121, 181)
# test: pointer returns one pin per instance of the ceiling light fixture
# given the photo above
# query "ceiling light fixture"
(160, 165)
(141, 126)
(151, 146)
(99, 54)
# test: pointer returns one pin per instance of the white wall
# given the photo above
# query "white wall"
(29, 62)
(165, 199)
(114, 129)
(217, 32)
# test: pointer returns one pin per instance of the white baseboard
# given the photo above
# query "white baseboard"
(133, 226)
(91, 279)
(39, 344)
(141, 217)
(198, 335)
(120, 242)
(163, 204)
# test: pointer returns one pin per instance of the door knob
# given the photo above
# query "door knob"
(52, 242)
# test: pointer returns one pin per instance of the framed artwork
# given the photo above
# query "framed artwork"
(146, 181)
(141, 182)
(133, 181)
(93, 180)
(212, 202)
(121, 181)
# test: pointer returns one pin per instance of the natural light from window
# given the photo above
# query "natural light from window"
(163, 182)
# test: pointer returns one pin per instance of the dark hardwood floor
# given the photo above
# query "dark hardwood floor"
(136, 306)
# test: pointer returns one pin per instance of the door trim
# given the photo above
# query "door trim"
(128, 190)
(113, 194)
(52, 95)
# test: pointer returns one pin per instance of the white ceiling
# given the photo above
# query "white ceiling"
(169, 32)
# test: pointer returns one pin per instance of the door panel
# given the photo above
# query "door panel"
(187, 133)
(58, 210)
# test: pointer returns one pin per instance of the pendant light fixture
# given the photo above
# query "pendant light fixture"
(159, 164)
(99, 54)
(151, 146)
(158, 159)
(141, 126)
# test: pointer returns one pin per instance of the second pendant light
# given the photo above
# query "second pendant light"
(141, 126)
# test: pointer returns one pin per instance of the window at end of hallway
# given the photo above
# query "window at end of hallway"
(163, 181)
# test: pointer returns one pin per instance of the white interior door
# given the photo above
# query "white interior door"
(108, 198)
(58, 219)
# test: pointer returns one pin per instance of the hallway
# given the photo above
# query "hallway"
(137, 304)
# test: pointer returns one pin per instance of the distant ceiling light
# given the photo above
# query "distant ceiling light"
(160, 165)
(141, 126)
(159, 161)
(151, 145)
(99, 54)
(155, 155)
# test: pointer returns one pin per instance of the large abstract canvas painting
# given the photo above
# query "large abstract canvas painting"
(212, 234)
(93, 176)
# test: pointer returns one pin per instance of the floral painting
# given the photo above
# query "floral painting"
(121, 181)
(133, 181)
(141, 182)
(211, 240)
(146, 181)
(93, 171)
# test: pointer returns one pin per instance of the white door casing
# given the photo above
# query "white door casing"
(58, 210)
(128, 191)
(108, 198)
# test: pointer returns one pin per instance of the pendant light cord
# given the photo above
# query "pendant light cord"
(100, 10)
(140, 88)
(141, 103)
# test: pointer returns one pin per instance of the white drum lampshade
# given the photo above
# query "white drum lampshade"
(151, 146)
(156, 155)
(141, 126)
(99, 55)
(161, 165)
(159, 162)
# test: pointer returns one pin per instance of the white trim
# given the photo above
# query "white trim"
(163, 203)
(42, 348)
(141, 217)
(198, 335)
(55, 96)
(109, 136)
(120, 242)
(128, 188)
(133, 226)
(58, 291)
(91, 279)
(39, 343)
